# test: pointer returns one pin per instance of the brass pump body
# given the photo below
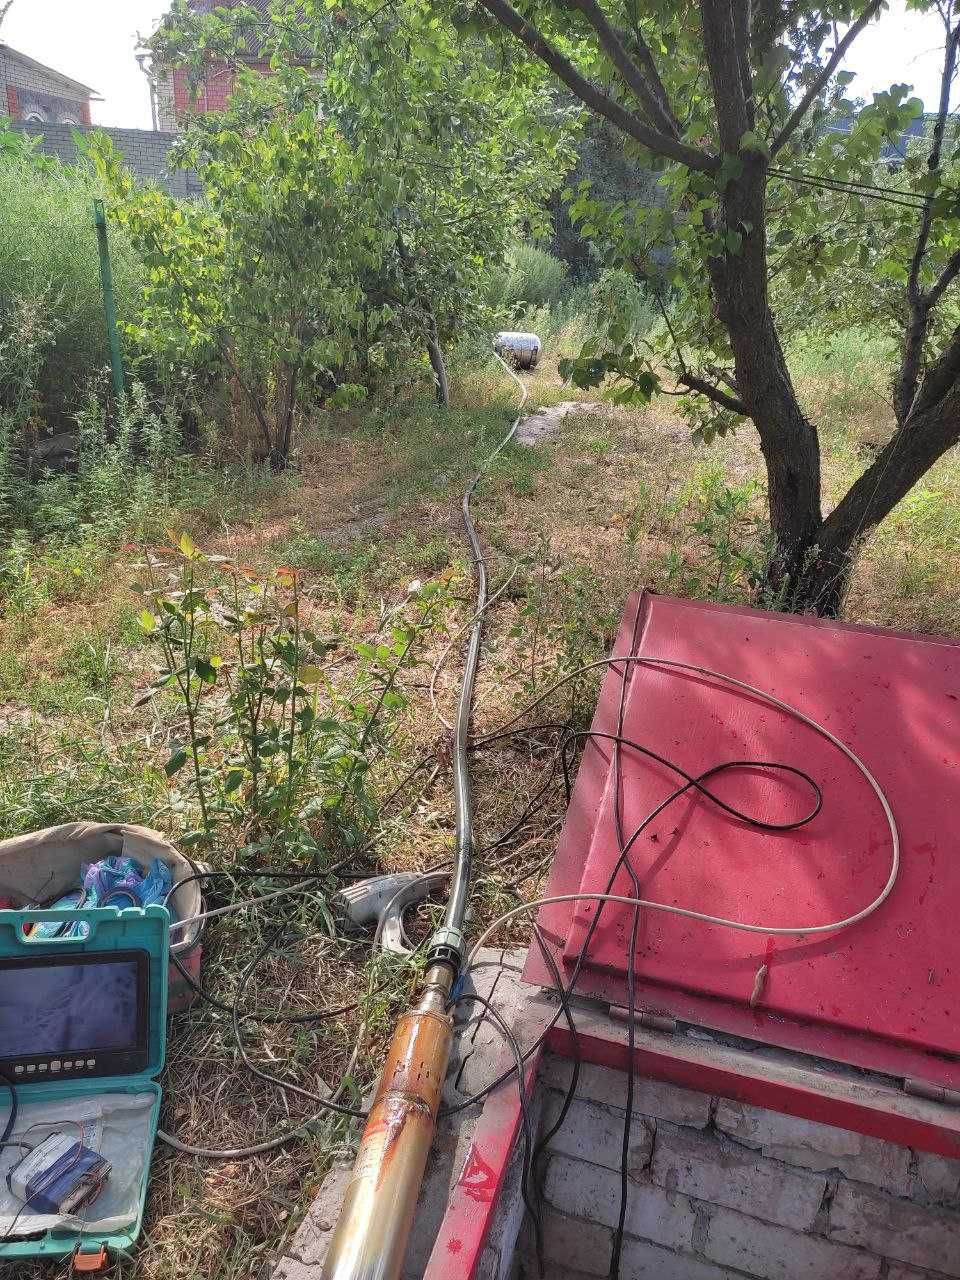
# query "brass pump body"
(371, 1236)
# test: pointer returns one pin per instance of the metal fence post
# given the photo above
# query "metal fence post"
(109, 301)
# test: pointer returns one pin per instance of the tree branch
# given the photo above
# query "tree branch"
(945, 279)
(940, 377)
(829, 67)
(933, 161)
(918, 303)
(649, 67)
(742, 25)
(631, 75)
(704, 388)
(631, 124)
(725, 63)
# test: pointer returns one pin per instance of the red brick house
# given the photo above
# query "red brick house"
(31, 92)
(176, 92)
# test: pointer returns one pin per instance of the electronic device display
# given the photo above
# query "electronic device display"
(74, 1014)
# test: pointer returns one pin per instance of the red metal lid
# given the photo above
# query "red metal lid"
(881, 994)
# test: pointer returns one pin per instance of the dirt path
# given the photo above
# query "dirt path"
(545, 423)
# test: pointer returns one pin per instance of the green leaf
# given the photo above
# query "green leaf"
(187, 546)
(175, 762)
(148, 621)
(752, 142)
(233, 780)
(206, 670)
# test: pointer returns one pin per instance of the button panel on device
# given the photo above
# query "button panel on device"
(55, 1066)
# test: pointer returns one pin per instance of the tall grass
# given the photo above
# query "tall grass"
(534, 278)
(50, 275)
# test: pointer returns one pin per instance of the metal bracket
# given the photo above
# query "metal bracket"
(935, 1092)
(645, 1018)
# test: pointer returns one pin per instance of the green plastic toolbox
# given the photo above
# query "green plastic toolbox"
(83, 1038)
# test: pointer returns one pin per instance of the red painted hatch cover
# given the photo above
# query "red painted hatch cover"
(881, 994)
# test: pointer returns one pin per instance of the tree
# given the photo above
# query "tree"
(262, 279)
(730, 100)
(451, 153)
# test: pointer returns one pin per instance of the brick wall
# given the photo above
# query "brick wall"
(163, 102)
(721, 1191)
(144, 152)
(210, 94)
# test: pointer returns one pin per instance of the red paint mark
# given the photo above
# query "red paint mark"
(454, 1246)
(478, 1180)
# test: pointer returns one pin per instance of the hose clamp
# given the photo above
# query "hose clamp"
(448, 945)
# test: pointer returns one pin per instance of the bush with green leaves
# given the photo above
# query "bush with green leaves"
(387, 191)
(270, 742)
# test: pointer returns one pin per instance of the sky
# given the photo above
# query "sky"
(94, 41)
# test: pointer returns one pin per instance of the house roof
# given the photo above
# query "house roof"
(42, 66)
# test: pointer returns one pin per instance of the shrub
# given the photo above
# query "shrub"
(535, 278)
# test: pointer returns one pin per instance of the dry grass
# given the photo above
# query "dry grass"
(619, 500)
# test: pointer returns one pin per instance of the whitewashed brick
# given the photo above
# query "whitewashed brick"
(939, 1178)
(642, 1261)
(563, 1273)
(591, 1192)
(595, 1133)
(817, 1146)
(508, 1214)
(774, 1253)
(585, 1246)
(488, 1268)
(895, 1228)
(650, 1097)
(726, 1174)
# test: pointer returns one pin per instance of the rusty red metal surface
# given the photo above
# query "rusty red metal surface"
(882, 994)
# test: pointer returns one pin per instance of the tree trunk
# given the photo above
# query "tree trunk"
(789, 443)
(439, 372)
(930, 430)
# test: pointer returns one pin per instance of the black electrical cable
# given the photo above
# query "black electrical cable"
(571, 1092)
(525, 1193)
(252, 1067)
(14, 1108)
(691, 783)
(624, 861)
(617, 804)
(255, 1015)
(6, 1141)
(564, 994)
(913, 200)
(781, 171)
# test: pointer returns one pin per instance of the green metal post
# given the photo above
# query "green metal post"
(109, 301)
